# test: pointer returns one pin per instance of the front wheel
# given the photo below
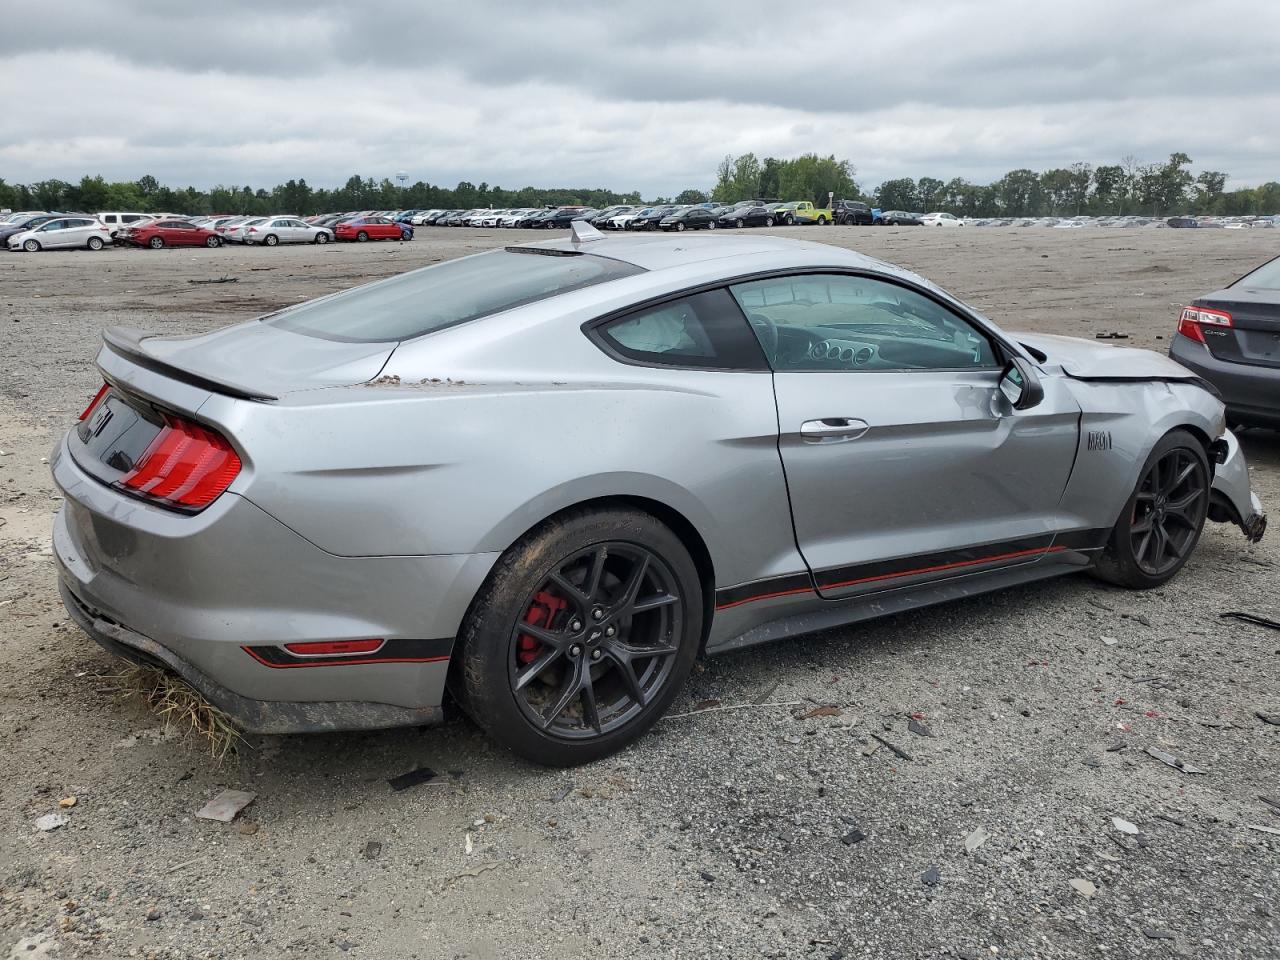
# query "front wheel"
(711, 224)
(1162, 519)
(270, 240)
(155, 243)
(31, 246)
(581, 637)
(823, 221)
(768, 221)
(680, 227)
(95, 243)
(213, 242)
(322, 238)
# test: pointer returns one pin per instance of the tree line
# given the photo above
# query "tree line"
(1127, 187)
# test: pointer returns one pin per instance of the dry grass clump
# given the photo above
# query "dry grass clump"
(179, 705)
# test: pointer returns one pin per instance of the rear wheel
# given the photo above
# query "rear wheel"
(362, 236)
(322, 237)
(155, 243)
(270, 240)
(582, 636)
(95, 243)
(212, 242)
(768, 221)
(1162, 520)
(711, 224)
(680, 226)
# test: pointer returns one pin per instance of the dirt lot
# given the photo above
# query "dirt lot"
(720, 833)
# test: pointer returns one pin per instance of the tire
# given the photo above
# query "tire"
(599, 693)
(95, 243)
(361, 237)
(321, 238)
(711, 224)
(791, 221)
(270, 240)
(1163, 517)
(31, 246)
(823, 221)
(680, 227)
(155, 243)
(213, 242)
(741, 224)
(768, 221)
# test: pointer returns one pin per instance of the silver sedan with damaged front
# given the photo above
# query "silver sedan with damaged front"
(546, 478)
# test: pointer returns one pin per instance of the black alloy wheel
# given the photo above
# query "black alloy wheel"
(1161, 521)
(597, 642)
(581, 636)
(1168, 512)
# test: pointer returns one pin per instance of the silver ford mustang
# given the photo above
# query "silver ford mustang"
(548, 477)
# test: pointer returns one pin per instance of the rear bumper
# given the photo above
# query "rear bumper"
(251, 716)
(1251, 393)
(216, 596)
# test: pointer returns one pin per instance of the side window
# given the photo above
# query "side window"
(703, 330)
(841, 322)
(54, 225)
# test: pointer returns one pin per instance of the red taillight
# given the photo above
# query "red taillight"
(186, 464)
(334, 647)
(1189, 324)
(97, 398)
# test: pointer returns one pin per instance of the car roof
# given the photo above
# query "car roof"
(662, 252)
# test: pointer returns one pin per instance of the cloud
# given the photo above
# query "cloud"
(579, 93)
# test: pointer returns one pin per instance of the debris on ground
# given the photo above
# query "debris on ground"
(1155, 933)
(1271, 718)
(226, 806)
(708, 877)
(1083, 887)
(217, 280)
(1114, 335)
(1109, 641)
(975, 839)
(897, 751)
(826, 710)
(473, 872)
(1170, 760)
(372, 849)
(853, 836)
(1262, 829)
(52, 821)
(562, 793)
(931, 877)
(1271, 802)
(1251, 618)
(412, 779)
(66, 803)
(918, 728)
(469, 844)
(1124, 826)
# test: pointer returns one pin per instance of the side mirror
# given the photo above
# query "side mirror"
(1020, 385)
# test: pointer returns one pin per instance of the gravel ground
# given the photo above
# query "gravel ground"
(753, 832)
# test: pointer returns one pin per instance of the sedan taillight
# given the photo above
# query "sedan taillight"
(1193, 317)
(186, 465)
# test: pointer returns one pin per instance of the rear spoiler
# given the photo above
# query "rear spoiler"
(127, 342)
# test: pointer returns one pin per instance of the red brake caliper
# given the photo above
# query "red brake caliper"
(542, 613)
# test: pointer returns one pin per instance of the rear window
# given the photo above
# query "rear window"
(430, 299)
(1266, 277)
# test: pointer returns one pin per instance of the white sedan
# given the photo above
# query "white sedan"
(940, 219)
(275, 230)
(64, 233)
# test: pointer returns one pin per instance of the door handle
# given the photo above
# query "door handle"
(833, 429)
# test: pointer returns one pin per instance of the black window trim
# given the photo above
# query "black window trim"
(1003, 347)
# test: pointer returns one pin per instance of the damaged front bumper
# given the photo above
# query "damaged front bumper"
(1231, 500)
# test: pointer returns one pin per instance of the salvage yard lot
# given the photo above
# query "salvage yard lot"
(765, 830)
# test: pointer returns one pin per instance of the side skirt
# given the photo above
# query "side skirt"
(788, 617)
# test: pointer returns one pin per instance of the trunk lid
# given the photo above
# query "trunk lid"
(253, 360)
(1254, 334)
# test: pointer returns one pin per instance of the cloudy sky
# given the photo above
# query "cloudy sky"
(646, 95)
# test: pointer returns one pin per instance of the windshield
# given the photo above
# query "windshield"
(1266, 277)
(430, 299)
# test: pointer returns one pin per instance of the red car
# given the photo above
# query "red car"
(168, 233)
(367, 228)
